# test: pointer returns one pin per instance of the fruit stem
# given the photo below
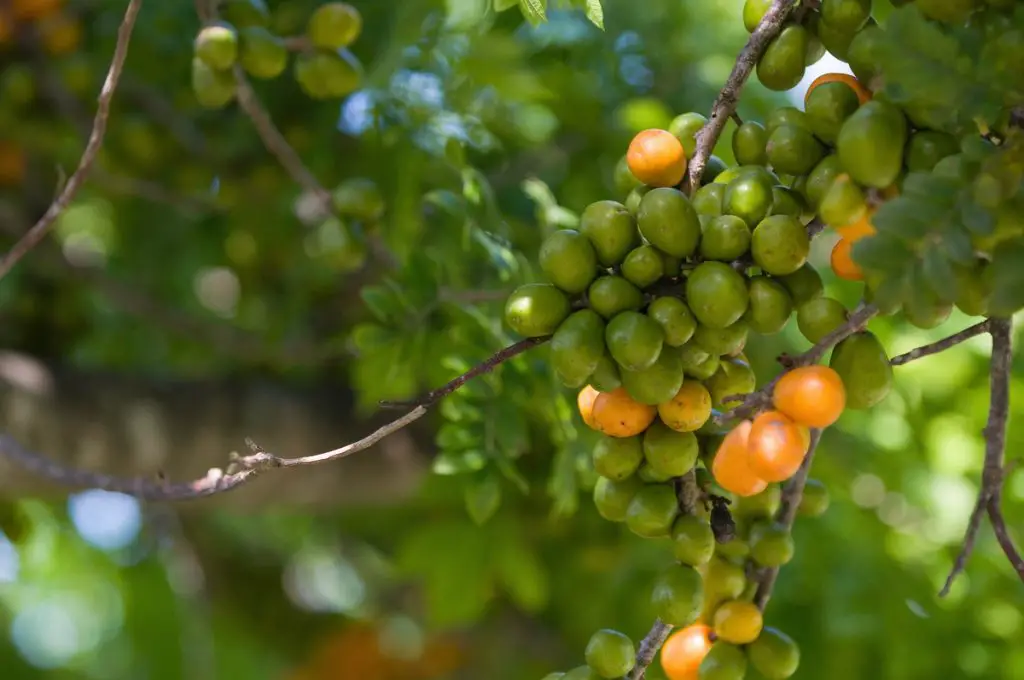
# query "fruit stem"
(649, 647)
(942, 345)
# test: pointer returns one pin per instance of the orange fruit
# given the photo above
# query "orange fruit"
(855, 231)
(657, 158)
(684, 650)
(811, 395)
(731, 466)
(776, 447)
(842, 261)
(585, 403)
(616, 414)
(863, 94)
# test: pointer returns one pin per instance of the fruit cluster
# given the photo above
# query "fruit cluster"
(324, 67)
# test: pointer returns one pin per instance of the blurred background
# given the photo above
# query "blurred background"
(189, 299)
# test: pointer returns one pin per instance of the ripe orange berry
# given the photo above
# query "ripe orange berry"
(863, 94)
(776, 446)
(684, 650)
(811, 395)
(731, 466)
(585, 403)
(616, 414)
(657, 158)
(855, 231)
(842, 261)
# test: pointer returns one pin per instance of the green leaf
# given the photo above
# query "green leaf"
(562, 485)
(595, 13)
(520, 572)
(938, 272)
(483, 498)
(459, 462)
(502, 5)
(881, 252)
(382, 302)
(534, 11)
(368, 337)
(458, 436)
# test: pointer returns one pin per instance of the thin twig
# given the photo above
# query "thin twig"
(41, 228)
(725, 104)
(649, 647)
(942, 345)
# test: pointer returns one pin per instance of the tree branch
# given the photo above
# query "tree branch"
(942, 345)
(728, 98)
(649, 647)
(99, 128)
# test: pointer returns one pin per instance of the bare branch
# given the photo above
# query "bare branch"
(649, 647)
(728, 98)
(995, 516)
(41, 228)
(942, 345)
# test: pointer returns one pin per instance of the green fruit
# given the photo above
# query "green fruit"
(782, 65)
(722, 341)
(581, 673)
(947, 11)
(815, 48)
(737, 549)
(610, 654)
(261, 53)
(245, 13)
(708, 200)
(668, 220)
(534, 310)
(974, 288)
(815, 500)
(753, 11)
(678, 595)
(723, 579)
(675, 319)
(818, 317)
(693, 541)
(670, 452)
(803, 285)
(577, 346)
(712, 169)
(657, 383)
(725, 238)
(634, 198)
(734, 376)
(554, 676)
(611, 230)
(685, 128)
(820, 179)
(785, 115)
(847, 16)
(763, 505)
(702, 368)
(217, 46)
(643, 266)
(568, 260)
(770, 305)
(611, 295)
(786, 201)
(634, 340)
(748, 197)
(612, 498)
(927, 147)
(717, 294)
(358, 197)
(862, 54)
(334, 25)
(652, 511)
(837, 42)
(649, 475)
(862, 364)
(328, 75)
(748, 144)
(670, 264)
(605, 377)
(724, 661)
(828, 107)
(213, 89)
(780, 245)
(771, 544)
(870, 144)
(617, 458)
(927, 313)
(793, 150)
(623, 178)
(774, 654)
(843, 202)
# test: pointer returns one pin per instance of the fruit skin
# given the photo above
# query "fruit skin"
(707, 200)
(585, 401)
(843, 202)
(774, 654)
(793, 150)
(762, 506)
(748, 197)
(634, 340)
(612, 498)
(678, 595)
(863, 365)
(780, 245)
(828, 107)
(668, 451)
(738, 622)
(818, 317)
(643, 266)
(870, 144)
(657, 158)
(611, 230)
(693, 541)
(783, 115)
(657, 383)
(684, 650)
(652, 511)
(612, 295)
(605, 377)
(675, 318)
(776, 447)
(261, 53)
(820, 179)
(815, 500)
(245, 13)
(725, 661)
(813, 396)
(770, 305)
(616, 414)
(360, 198)
(926, 148)
(753, 11)
(568, 260)
(668, 220)
(726, 238)
(213, 89)
(617, 458)
(862, 56)
(328, 75)
(623, 179)
(771, 544)
(685, 127)
(803, 285)
(689, 409)
(534, 310)
(217, 45)
(722, 341)
(731, 466)
(847, 16)
(610, 654)
(836, 41)
(843, 263)
(749, 142)
(334, 25)
(781, 67)
(581, 673)
(717, 294)
(577, 346)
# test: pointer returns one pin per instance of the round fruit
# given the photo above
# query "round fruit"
(568, 260)
(610, 654)
(668, 221)
(780, 245)
(611, 230)
(733, 377)
(581, 673)
(748, 197)
(577, 346)
(724, 662)
(864, 368)
(652, 511)
(643, 266)
(787, 201)
(731, 466)
(803, 285)
(843, 202)
(616, 414)
(658, 382)
(328, 75)
(634, 198)
(855, 231)
(618, 457)
(717, 294)
(612, 498)
(623, 179)
(668, 451)
(707, 200)
(782, 65)
(213, 89)
(657, 158)
(738, 622)
(689, 409)
(334, 25)
(749, 142)
(776, 447)
(675, 319)
(605, 377)
(685, 127)
(693, 541)
(862, 56)
(815, 500)
(771, 544)
(723, 580)
(243, 13)
(261, 53)
(927, 313)
(649, 475)
(770, 305)
(820, 179)
(726, 238)
(842, 261)
(677, 596)
(217, 46)
(611, 295)
(813, 396)
(871, 142)
(848, 16)
(634, 340)
(774, 654)
(753, 12)
(534, 310)
(585, 401)
(820, 316)
(783, 115)
(927, 147)
(837, 42)
(793, 150)
(360, 198)
(685, 649)
(722, 341)
(697, 363)
(828, 107)
(762, 505)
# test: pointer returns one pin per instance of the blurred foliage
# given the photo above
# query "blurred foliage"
(190, 253)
